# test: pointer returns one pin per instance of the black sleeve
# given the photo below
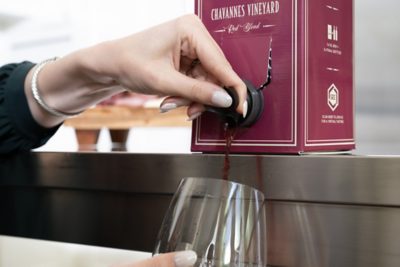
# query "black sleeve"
(18, 129)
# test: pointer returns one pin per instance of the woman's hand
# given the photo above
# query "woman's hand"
(178, 59)
(175, 259)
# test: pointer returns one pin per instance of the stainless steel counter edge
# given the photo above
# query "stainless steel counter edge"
(364, 180)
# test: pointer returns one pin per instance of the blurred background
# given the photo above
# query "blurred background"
(36, 30)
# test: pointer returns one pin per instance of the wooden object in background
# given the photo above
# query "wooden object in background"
(119, 120)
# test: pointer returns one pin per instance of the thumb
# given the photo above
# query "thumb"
(175, 259)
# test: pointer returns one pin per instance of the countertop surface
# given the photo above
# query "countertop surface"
(312, 178)
(322, 210)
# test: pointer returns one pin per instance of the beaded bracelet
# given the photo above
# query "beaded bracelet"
(39, 99)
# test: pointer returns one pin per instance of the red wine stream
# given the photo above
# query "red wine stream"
(229, 136)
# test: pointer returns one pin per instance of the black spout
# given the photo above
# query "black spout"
(255, 101)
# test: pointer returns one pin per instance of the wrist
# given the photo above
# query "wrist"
(95, 65)
(79, 80)
(70, 84)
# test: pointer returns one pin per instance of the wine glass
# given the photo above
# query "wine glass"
(222, 221)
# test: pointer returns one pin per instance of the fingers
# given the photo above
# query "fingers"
(173, 102)
(214, 61)
(198, 72)
(196, 90)
(194, 110)
(176, 259)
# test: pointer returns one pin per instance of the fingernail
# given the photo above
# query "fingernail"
(185, 258)
(167, 107)
(194, 116)
(245, 108)
(221, 98)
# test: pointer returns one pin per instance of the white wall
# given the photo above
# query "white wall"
(51, 28)
(377, 42)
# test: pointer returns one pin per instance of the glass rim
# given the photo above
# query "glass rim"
(247, 187)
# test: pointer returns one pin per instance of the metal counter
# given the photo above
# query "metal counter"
(321, 210)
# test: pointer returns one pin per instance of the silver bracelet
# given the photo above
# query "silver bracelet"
(39, 99)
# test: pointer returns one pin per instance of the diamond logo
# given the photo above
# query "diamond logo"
(333, 97)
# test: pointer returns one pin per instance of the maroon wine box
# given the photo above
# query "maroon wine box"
(309, 104)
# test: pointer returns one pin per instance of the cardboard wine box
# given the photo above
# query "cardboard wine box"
(309, 104)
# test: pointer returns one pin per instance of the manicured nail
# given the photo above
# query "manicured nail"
(185, 258)
(167, 107)
(194, 116)
(221, 98)
(245, 108)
